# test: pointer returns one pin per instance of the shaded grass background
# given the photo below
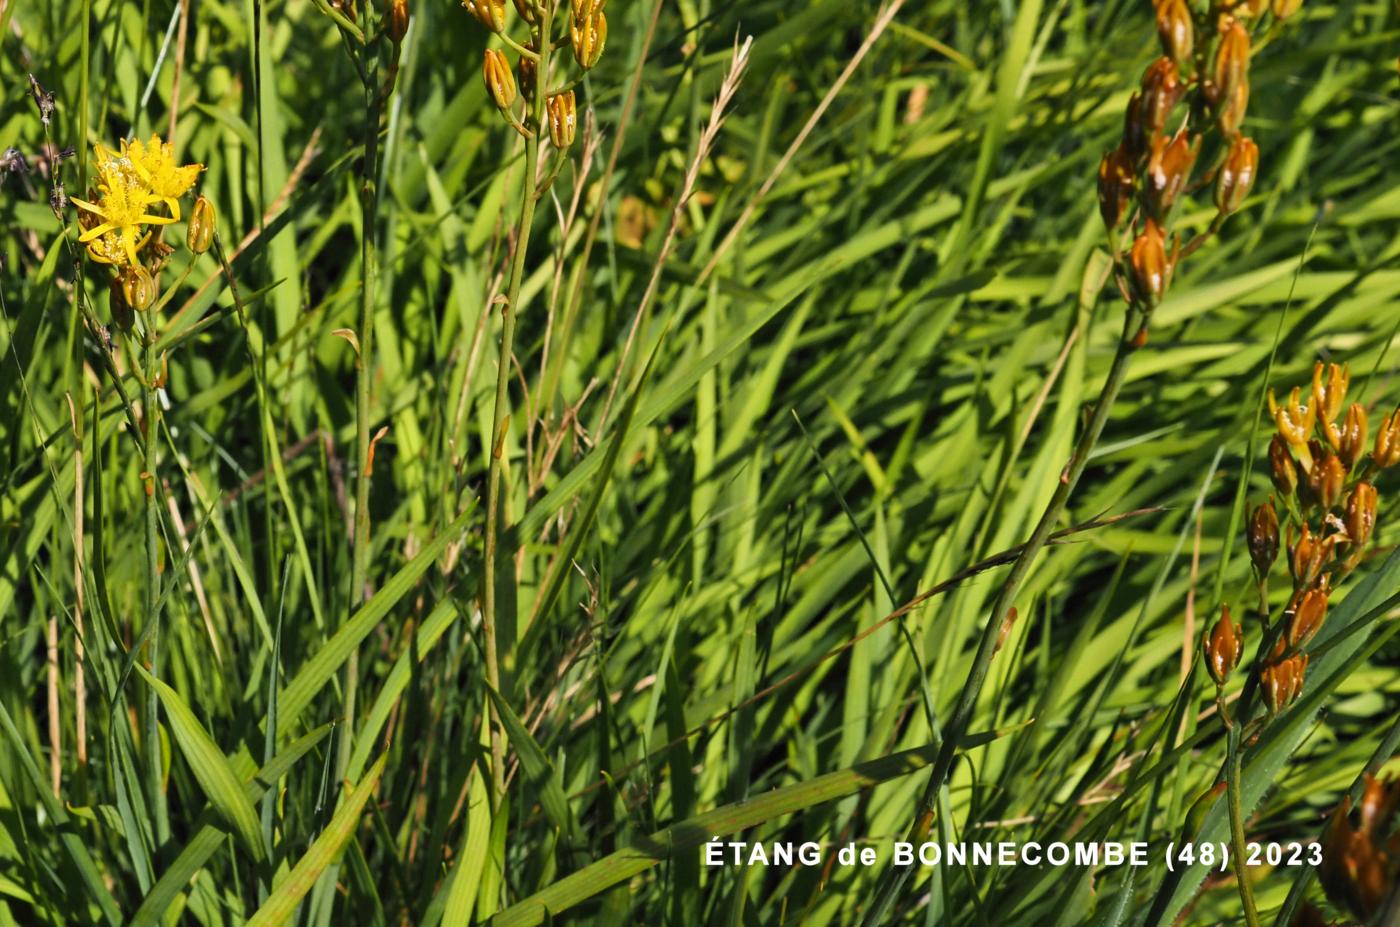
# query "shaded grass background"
(920, 291)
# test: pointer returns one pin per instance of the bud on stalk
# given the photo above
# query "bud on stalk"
(138, 287)
(1325, 481)
(588, 35)
(1231, 110)
(203, 221)
(490, 13)
(398, 21)
(500, 82)
(563, 119)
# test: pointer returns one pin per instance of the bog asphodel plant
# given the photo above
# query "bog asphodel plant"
(535, 96)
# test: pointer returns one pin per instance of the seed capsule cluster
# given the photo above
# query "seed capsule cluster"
(1361, 860)
(1325, 483)
(1182, 131)
(584, 28)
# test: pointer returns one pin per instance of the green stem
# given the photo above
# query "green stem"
(364, 377)
(894, 878)
(1237, 842)
(154, 779)
(500, 420)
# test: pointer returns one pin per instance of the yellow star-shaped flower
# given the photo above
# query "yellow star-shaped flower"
(154, 163)
(141, 175)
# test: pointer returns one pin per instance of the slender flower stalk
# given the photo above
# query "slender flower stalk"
(500, 418)
(151, 421)
(376, 94)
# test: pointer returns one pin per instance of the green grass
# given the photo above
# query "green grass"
(874, 389)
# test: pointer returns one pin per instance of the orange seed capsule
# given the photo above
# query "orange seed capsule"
(1308, 555)
(1283, 681)
(527, 11)
(1175, 29)
(1236, 176)
(1386, 452)
(1263, 538)
(1281, 466)
(1361, 513)
(1284, 9)
(528, 74)
(1325, 481)
(1223, 646)
(1231, 112)
(1151, 273)
(1115, 187)
(1161, 91)
(1168, 169)
(1231, 57)
(500, 82)
(1308, 615)
(1352, 438)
